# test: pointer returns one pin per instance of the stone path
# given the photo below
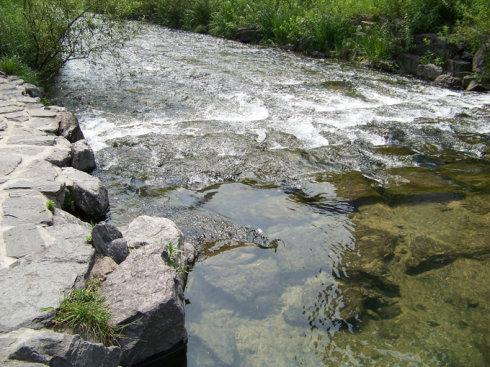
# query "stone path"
(43, 252)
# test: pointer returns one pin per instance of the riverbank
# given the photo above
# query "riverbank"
(48, 249)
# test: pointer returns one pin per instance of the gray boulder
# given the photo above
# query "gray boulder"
(69, 127)
(83, 157)
(145, 230)
(459, 68)
(408, 63)
(146, 295)
(61, 153)
(429, 71)
(56, 349)
(89, 196)
(448, 81)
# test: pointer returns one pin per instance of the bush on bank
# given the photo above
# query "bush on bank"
(38, 36)
(361, 29)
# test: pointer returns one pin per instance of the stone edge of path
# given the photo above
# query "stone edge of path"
(44, 252)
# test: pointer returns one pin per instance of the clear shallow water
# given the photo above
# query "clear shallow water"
(233, 142)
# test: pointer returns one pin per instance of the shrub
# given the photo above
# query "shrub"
(84, 311)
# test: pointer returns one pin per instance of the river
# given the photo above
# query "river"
(294, 176)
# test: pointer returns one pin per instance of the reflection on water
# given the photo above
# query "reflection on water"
(342, 214)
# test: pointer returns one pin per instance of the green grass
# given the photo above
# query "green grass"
(334, 26)
(50, 205)
(15, 66)
(84, 311)
(172, 254)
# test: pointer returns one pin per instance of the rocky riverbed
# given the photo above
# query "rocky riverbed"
(48, 248)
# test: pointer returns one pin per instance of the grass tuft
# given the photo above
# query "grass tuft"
(50, 205)
(15, 66)
(88, 239)
(84, 311)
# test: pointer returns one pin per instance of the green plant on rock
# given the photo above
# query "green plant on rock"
(50, 205)
(84, 311)
(172, 254)
(88, 239)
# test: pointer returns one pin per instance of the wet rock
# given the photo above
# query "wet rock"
(146, 295)
(56, 349)
(427, 43)
(83, 157)
(145, 231)
(448, 81)
(69, 127)
(429, 71)
(408, 63)
(247, 35)
(89, 195)
(103, 266)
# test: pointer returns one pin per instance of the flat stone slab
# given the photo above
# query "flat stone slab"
(49, 125)
(26, 208)
(41, 176)
(22, 240)
(40, 280)
(29, 139)
(8, 163)
(41, 112)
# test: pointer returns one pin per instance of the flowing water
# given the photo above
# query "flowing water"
(327, 200)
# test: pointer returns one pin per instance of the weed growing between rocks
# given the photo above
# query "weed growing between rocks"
(84, 311)
(88, 239)
(171, 257)
(50, 205)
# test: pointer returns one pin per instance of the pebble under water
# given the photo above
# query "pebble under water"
(342, 214)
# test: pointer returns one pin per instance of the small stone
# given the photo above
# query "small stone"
(61, 154)
(33, 91)
(103, 266)
(108, 241)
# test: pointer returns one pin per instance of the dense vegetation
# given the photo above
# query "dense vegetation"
(38, 36)
(331, 26)
(43, 34)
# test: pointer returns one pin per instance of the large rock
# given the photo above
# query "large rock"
(83, 157)
(459, 68)
(146, 230)
(89, 196)
(146, 295)
(56, 349)
(69, 127)
(448, 81)
(408, 63)
(108, 241)
(429, 71)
